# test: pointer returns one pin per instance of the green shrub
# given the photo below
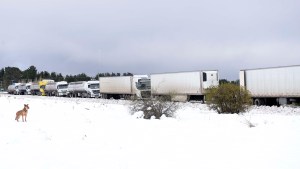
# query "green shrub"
(228, 98)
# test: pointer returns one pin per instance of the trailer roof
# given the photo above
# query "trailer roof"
(272, 67)
(183, 72)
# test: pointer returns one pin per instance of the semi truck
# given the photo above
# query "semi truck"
(56, 89)
(272, 86)
(117, 87)
(183, 86)
(83, 89)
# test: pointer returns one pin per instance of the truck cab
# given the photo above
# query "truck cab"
(28, 90)
(143, 86)
(93, 89)
(61, 88)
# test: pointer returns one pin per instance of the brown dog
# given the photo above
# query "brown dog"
(22, 113)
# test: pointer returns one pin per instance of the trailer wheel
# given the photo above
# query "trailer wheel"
(256, 102)
(259, 102)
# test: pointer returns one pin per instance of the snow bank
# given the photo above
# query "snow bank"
(64, 133)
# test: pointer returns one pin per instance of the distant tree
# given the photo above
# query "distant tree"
(14, 74)
(53, 76)
(1, 78)
(107, 75)
(127, 74)
(60, 77)
(1, 74)
(99, 75)
(44, 75)
(82, 77)
(29, 74)
(225, 81)
(70, 78)
(11, 75)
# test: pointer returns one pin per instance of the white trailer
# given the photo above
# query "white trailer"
(17, 88)
(183, 86)
(272, 86)
(56, 89)
(83, 89)
(13, 88)
(125, 86)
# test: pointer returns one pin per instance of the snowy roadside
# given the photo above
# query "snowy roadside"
(98, 133)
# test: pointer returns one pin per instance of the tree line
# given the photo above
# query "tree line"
(9, 75)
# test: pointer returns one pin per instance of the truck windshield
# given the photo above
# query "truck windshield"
(94, 86)
(143, 84)
(62, 86)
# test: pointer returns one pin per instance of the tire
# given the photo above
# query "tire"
(259, 102)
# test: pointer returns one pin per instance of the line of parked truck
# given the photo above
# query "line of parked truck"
(48, 87)
(268, 86)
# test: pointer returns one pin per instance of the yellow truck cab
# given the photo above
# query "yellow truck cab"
(43, 84)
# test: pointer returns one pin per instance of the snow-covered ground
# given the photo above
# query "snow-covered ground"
(64, 133)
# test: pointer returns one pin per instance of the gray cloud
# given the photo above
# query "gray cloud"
(94, 36)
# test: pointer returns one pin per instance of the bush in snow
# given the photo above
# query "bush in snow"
(228, 98)
(155, 107)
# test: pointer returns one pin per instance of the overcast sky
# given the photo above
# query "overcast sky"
(144, 37)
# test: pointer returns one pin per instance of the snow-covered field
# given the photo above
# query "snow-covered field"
(63, 133)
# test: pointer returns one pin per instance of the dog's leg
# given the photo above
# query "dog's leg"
(22, 117)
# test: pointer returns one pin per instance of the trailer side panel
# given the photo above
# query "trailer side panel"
(274, 82)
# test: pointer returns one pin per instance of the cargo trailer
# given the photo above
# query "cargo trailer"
(272, 86)
(125, 86)
(183, 86)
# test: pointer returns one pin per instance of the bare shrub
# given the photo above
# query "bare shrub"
(155, 107)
